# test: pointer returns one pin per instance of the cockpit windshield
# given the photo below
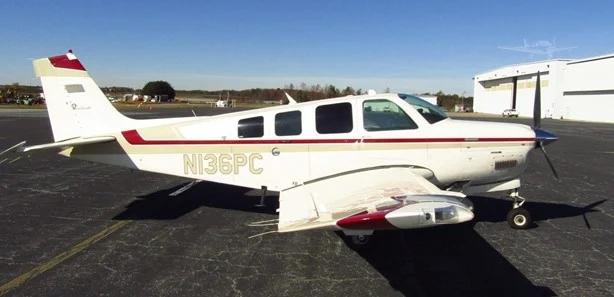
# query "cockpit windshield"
(430, 112)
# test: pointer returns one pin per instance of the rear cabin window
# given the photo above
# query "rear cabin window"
(334, 118)
(385, 115)
(288, 123)
(251, 127)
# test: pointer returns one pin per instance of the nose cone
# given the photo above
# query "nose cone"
(543, 136)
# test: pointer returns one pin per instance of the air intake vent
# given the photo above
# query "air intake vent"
(500, 165)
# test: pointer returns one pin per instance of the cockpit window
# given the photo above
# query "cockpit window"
(384, 115)
(430, 112)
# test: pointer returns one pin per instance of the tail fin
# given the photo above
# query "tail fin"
(76, 105)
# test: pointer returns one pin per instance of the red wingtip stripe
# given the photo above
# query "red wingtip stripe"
(64, 62)
(367, 221)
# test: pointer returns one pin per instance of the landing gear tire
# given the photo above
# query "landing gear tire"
(360, 240)
(519, 218)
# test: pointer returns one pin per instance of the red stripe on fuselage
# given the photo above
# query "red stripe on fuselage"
(133, 137)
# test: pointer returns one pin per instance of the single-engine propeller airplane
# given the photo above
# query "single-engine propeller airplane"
(354, 164)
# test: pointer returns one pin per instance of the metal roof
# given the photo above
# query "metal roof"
(508, 71)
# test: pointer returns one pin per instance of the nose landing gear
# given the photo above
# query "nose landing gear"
(518, 217)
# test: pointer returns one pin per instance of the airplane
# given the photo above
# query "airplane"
(541, 47)
(355, 164)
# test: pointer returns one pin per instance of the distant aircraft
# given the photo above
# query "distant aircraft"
(540, 47)
(355, 164)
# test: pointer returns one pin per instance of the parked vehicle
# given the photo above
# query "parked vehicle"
(221, 103)
(24, 101)
(510, 113)
(38, 100)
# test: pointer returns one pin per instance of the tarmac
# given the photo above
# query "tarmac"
(73, 228)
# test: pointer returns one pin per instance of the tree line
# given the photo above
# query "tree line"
(304, 92)
(16, 90)
(449, 101)
(301, 92)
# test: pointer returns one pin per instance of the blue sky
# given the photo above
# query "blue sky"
(404, 45)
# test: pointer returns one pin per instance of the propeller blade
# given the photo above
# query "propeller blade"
(588, 225)
(589, 208)
(541, 147)
(537, 108)
(594, 204)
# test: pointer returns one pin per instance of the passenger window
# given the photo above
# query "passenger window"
(334, 118)
(288, 123)
(384, 115)
(251, 127)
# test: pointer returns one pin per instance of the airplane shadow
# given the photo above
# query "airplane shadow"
(161, 205)
(455, 260)
(443, 261)
(488, 209)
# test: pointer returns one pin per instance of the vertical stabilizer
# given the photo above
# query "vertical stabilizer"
(76, 105)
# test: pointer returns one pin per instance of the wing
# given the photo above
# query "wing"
(369, 199)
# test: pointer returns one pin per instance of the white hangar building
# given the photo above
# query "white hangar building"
(570, 89)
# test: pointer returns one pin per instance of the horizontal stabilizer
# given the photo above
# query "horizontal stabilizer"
(22, 148)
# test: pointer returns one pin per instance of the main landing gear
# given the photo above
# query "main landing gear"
(360, 240)
(518, 217)
(262, 197)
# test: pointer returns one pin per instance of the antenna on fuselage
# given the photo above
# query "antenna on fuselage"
(290, 99)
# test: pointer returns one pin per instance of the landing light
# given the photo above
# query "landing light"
(445, 213)
(452, 214)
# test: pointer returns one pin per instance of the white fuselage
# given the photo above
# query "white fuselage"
(210, 148)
